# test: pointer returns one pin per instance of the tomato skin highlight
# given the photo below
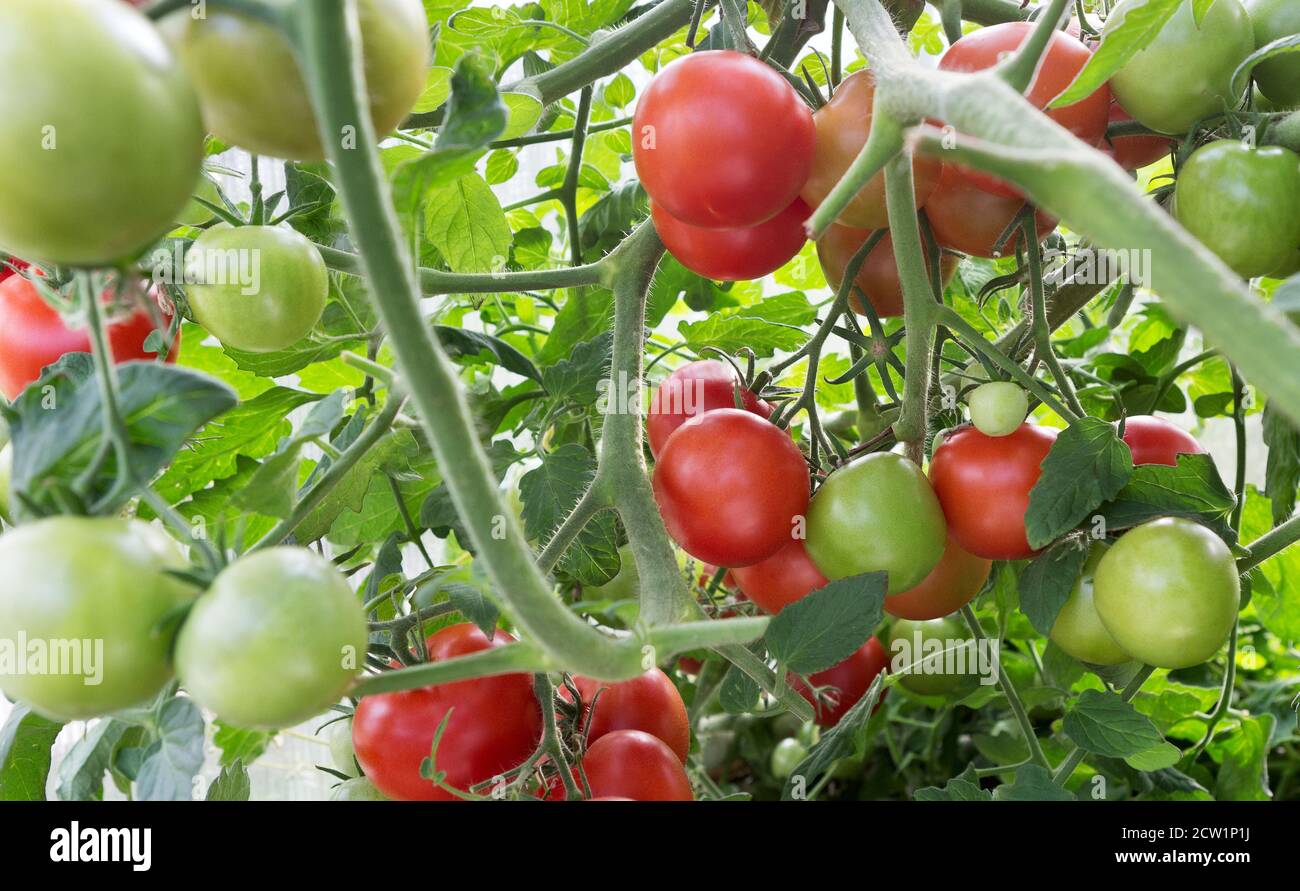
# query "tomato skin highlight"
(102, 139)
(33, 335)
(729, 486)
(1160, 88)
(878, 275)
(284, 612)
(1243, 203)
(91, 579)
(780, 580)
(494, 726)
(842, 126)
(739, 254)
(630, 764)
(692, 390)
(953, 583)
(1153, 440)
(649, 703)
(1168, 592)
(1065, 58)
(850, 678)
(876, 513)
(970, 220)
(722, 141)
(983, 483)
(1078, 629)
(252, 91)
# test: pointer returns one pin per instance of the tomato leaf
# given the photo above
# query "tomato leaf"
(1045, 584)
(173, 761)
(239, 743)
(1104, 724)
(25, 742)
(771, 325)
(824, 628)
(1282, 472)
(738, 692)
(1087, 465)
(1122, 42)
(231, 784)
(81, 772)
(474, 346)
(1193, 490)
(848, 736)
(1032, 783)
(1243, 774)
(578, 378)
(549, 492)
(963, 787)
(464, 221)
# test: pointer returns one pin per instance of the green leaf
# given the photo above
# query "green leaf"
(850, 734)
(1032, 783)
(1045, 584)
(501, 167)
(1159, 757)
(1275, 583)
(467, 226)
(1272, 50)
(437, 90)
(748, 326)
(474, 346)
(1087, 465)
(619, 91)
(25, 741)
(474, 605)
(239, 744)
(825, 627)
(586, 313)
(963, 787)
(1193, 490)
(578, 378)
(231, 784)
(738, 693)
(1243, 772)
(549, 493)
(81, 772)
(272, 490)
(173, 761)
(1282, 472)
(1123, 40)
(1104, 724)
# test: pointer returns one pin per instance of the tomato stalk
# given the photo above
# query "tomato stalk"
(438, 281)
(1042, 334)
(520, 656)
(884, 142)
(1019, 69)
(1013, 697)
(569, 189)
(1270, 544)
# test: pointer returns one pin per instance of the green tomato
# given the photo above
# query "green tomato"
(1278, 78)
(936, 657)
(1185, 73)
(253, 94)
(342, 752)
(102, 138)
(788, 754)
(278, 638)
(360, 789)
(1078, 629)
(877, 513)
(256, 288)
(6, 478)
(1168, 592)
(195, 214)
(1243, 203)
(998, 408)
(68, 580)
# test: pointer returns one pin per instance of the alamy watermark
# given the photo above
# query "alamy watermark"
(70, 657)
(1097, 266)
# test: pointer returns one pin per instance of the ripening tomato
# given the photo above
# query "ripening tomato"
(1168, 592)
(953, 583)
(34, 335)
(983, 483)
(968, 219)
(1243, 203)
(738, 254)
(720, 140)
(877, 513)
(630, 764)
(780, 580)
(495, 724)
(847, 682)
(935, 657)
(692, 390)
(1064, 59)
(878, 275)
(1278, 78)
(730, 486)
(1134, 152)
(1078, 629)
(649, 702)
(843, 124)
(1154, 440)
(1160, 88)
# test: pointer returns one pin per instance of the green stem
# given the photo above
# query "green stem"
(1009, 691)
(1042, 333)
(592, 502)
(557, 135)
(569, 190)
(1270, 544)
(758, 672)
(436, 281)
(1239, 430)
(669, 640)
(520, 656)
(1019, 69)
(883, 143)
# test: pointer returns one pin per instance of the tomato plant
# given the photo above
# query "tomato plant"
(837, 689)
(704, 483)
(983, 483)
(878, 274)
(722, 140)
(731, 254)
(33, 334)
(1243, 203)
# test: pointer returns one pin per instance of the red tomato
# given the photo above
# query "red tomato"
(1134, 152)
(952, 584)
(34, 335)
(850, 680)
(967, 219)
(494, 726)
(630, 764)
(780, 580)
(1154, 440)
(721, 140)
(843, 125)
(878, 275)
(649, 702)
(983, 483)
(730, 255)
(11, 266)
(1064, 59)
(729, 485)
(692, 390)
